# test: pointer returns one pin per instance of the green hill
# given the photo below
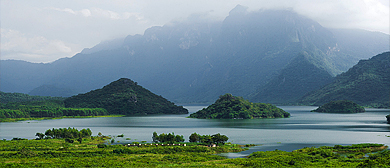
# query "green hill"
(340, 106)
(21, 97)
(367, 84)
(231, 107)
(126, 97)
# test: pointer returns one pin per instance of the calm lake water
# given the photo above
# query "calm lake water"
(302, 129)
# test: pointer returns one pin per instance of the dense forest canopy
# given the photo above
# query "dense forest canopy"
(126, 97)
(45, 108)
(21, 97)
(233, 107)
(366, 83)
(340, 106)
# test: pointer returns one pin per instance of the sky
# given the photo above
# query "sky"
(46, 30)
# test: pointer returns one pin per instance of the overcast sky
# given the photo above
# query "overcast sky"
(46, 30)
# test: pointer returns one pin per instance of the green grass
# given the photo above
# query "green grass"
(57, 153)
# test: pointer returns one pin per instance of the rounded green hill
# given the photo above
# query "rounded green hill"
(340, 106)
(232, 107)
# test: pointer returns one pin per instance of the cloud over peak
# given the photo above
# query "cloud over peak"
(99, 13)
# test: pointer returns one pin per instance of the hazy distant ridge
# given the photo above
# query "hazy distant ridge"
(196, 60)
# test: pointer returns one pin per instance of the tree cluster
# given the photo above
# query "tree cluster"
(65, 133)
(21, 97)
(209, 139)
(167, 138)
(388, 119)
(232, 107)
(47, 108)
(340, 106)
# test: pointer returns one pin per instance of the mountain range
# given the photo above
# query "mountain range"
(272, 56)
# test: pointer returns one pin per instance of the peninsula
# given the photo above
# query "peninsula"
(340, 106)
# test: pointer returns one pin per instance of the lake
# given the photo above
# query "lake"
(302, 129)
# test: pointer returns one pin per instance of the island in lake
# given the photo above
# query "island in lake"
(125, 97)
(340, 106)
(233, 107)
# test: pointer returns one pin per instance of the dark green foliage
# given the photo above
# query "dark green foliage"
(232, 107)
(101, 145)
(388, 119)
(56, 153)
(125, 97)
(20, 97)
(194, 137)
(67, 133)
(47, 108)
(209, 139)
(366, 83)
(340, 106)
(167, 138)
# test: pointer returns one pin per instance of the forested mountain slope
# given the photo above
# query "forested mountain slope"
(367, 84)
(298, 78)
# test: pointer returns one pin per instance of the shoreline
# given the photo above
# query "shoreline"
(52, 118)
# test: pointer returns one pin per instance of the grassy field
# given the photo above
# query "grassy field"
(92, 152)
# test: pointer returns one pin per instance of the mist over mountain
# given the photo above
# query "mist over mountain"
(250, 54)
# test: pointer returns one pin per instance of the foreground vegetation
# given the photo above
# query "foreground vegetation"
(340, 106)
(233, 107)
(92, 152)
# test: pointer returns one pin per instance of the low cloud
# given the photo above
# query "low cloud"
(50, 29)
(99, 13)
(16, 45)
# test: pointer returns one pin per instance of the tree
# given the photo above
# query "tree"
(40, 135)
(155, 137)
(194, 137)
(169, 138)
(206, 139)
(49, 133)
(218, 138)
(179, 138)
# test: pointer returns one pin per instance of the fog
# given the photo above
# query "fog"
(45, 30)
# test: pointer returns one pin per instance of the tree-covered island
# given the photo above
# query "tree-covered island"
(340, 106)
(388, 119)
(121, 97)
(233, 107)
(125, 97)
